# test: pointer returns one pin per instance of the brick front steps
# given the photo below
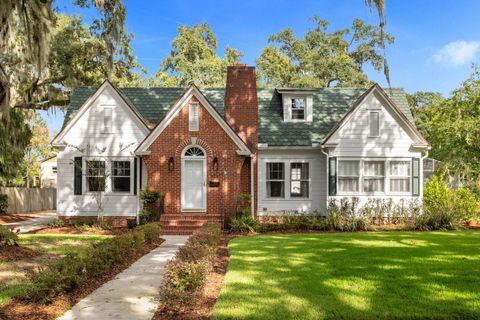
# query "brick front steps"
(185, 224)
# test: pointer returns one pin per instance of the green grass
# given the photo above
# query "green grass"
(14, 274)
(384, 275)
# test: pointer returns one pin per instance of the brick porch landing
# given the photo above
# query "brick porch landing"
(186, 223)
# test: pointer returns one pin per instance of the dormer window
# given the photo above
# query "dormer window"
(298, 108)
(297, 104)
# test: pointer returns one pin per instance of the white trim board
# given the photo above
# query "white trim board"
(192, 91)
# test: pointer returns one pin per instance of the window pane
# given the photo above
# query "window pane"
(299, 179)
(400, 168)
(347, 184)
(373, 185)
(400, 185)
(374, 168)
(96, 183)
(275, 171)
(298, 108)
(374, 124)
(121, 184)
(275, 189)
(348, 168)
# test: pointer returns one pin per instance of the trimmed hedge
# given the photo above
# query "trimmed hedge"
(185, 275)
(76, 268)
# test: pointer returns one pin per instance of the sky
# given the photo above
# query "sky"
(436, 42)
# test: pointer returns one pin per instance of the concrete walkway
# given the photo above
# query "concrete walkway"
(30, 225)
(134, 293)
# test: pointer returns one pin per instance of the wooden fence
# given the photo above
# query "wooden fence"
(30, 199)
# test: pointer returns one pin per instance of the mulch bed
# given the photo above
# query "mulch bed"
(202, 308)
(23, 310)
(73, 230)
(17, 253)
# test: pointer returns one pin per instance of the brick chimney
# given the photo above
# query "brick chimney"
(241, 105)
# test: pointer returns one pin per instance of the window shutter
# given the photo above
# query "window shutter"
(332, 176)
(135, 176)
(415, 176)
(77, 176)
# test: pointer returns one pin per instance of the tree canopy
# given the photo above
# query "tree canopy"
(322, 58)
(452, 127)
(193, 58)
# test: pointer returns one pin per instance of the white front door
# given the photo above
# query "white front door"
(193, 185)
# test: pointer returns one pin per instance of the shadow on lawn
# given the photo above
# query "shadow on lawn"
(353, 276)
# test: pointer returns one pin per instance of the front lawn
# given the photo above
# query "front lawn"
(387, 275)
(44, 248)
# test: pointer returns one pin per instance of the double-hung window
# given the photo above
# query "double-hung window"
(400, 176)
(95, 175)
(374, 176)
(121, 176)
(348, 175)
(275, 180)
(298, 108)
(299, 180)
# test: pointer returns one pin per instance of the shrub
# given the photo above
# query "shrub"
(7, 237)
(244, 223)
(145, 216)
(346, 217)
(185, 275)
(56, 223)
(295, 222)
(78, 267)
(3, 203)
(150, 196)
(131, 223)
(443, 207)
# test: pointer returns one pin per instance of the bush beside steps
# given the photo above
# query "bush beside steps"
(185, 275)
(75, 269)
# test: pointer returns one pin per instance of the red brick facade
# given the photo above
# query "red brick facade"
(217, 144)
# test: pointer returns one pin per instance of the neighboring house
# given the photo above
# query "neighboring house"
(48, 173)
(291, 149)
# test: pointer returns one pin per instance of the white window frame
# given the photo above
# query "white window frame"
(86, 175)
(370, 113)
(384, 177)
(287, 187)
(112, 176)
(359, 177)
(193, 117)
(409, 178)
(267, 180)
(107, 119)
(386, 181)
(108, 172)
(287, 107)
(292, 99)
(300, 180)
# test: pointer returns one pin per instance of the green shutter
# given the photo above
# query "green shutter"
(332, 176)
(77, 177)
(415, 177)
(135, 176)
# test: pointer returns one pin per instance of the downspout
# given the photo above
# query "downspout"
(326, 174)
(252, 186)
(139, 172)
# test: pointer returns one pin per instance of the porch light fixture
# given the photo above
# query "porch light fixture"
(170, 164)
(215, 163)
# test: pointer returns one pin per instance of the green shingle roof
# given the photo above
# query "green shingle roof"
(329, 106)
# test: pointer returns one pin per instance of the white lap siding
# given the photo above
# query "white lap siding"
(316, 200)
(88, 134)
(353, 142)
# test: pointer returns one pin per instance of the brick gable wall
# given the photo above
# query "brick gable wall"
(216, 142)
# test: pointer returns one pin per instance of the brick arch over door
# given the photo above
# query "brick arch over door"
(192, 142)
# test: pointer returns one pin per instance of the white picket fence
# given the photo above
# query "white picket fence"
(30, 199)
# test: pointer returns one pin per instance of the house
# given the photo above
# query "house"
(291, 149)
(48, 172)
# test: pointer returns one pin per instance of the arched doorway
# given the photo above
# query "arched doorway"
(194, 175)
